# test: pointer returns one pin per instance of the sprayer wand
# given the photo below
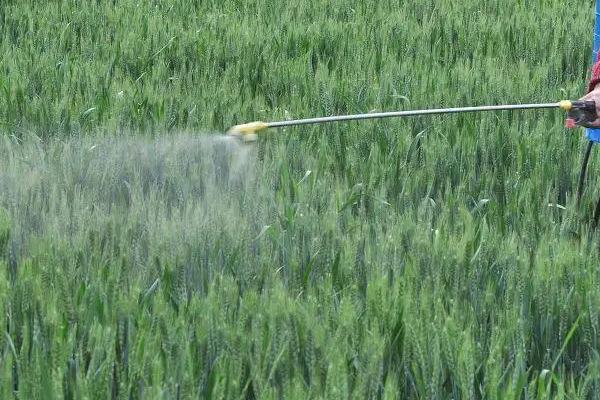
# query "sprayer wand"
(580, 113)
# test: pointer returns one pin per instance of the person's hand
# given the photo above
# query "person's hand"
(594, 96)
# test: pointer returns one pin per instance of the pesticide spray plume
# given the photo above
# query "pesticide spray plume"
(580, 113)
(171, 190)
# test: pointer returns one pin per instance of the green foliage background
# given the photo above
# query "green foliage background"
(422, 258)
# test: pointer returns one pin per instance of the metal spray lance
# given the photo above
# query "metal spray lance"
(580, 113)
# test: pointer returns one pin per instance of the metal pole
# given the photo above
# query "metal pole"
(248, 131)
(409, 113)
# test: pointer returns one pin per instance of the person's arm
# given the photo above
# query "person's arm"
(595, 79)
(594, 89)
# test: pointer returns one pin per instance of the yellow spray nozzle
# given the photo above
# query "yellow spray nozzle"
(566, 105)
(248, 131)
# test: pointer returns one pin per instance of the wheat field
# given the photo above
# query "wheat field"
(144, 255)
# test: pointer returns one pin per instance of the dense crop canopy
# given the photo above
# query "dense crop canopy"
(442, 257)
